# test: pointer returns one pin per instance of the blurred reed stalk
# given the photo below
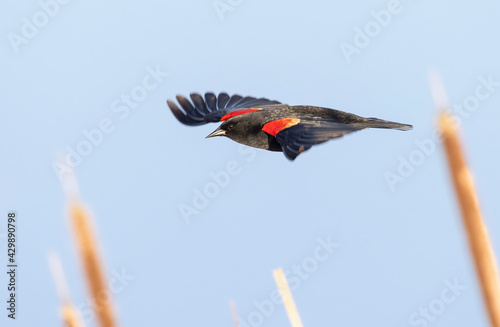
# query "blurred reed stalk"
(286, 296)
(88, 250)
(69, 314)
(477, 233)
(89, 255)
(234, 314)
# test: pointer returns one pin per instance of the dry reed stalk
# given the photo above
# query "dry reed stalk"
(482, 251)
(89, 254)
(477, 233)
(88, 250)
(234, 314)
(69, 314)
(286, 296)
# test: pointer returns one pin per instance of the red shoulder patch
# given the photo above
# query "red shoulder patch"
(238, 112)
(276, 126)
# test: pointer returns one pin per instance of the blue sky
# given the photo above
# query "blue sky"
(367, 226)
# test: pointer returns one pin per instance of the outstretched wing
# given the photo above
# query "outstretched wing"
(298, 135)
(214, 108)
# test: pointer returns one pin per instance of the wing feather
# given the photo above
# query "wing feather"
(301, 137)
(233, 101)
(199, 104)
(212, 108)
(222, 101)
(211, 101)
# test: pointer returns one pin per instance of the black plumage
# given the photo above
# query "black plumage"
(272, 125)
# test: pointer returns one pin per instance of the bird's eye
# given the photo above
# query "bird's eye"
(230, 127)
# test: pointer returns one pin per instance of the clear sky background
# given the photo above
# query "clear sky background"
(383, 198)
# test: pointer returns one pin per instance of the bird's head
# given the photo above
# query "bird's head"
(241, 129)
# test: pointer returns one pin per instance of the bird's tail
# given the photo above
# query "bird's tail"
(379, 123)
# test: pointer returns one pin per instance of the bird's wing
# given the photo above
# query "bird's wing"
(211, 108)
(298, 135)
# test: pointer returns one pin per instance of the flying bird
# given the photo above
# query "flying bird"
(272, 125)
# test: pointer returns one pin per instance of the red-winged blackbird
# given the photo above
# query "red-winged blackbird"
(271, 125)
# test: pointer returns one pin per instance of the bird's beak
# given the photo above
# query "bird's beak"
(217, 132)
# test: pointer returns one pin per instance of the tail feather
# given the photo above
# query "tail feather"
(380, 123)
